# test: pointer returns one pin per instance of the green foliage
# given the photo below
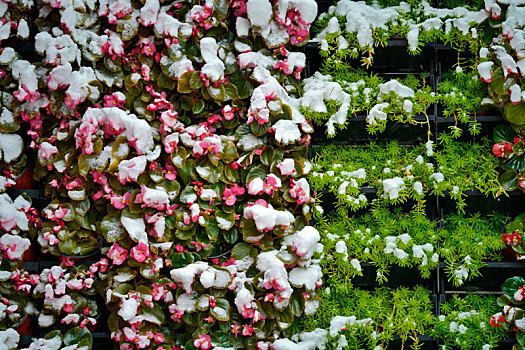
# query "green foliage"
(381, 314)
(408, 171)
(468, 166)
(461, 92)
(463, 323)
(386, 237)
(466, 241)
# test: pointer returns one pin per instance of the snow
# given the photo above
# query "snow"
(9, 338)
(59, 50)
(340, 247)
(23, 29)
(242, 26)
(131, 169)
(11, 146)
(287, 131)
(185, 275)
(287, 167)
(255, 186)
(128, 308)
(10, 214)
(149, 12)
(136, 228)
(7, 55)
(376, 113)
(214, 67)
(307, 277)
(259, 12)
(250, 142)
(45, 320)
(131, 127)
(396, 87)
(266, 218)
(304, 241)
(46, 344)
(391, 187)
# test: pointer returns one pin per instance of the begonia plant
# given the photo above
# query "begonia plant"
(169, 139)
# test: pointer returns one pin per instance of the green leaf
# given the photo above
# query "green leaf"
(258, 129)
(503, 132)
(520, 337)
(285, 318)
(515, 163)
(510, 287)
(515, 114)
(259, 171)
(112, 229)
(75, 335)
(178, 158)
(198, 106)
(83, 165)
(229, 151)
(212, 229)
(231, 236)
(498, 80)
(241, 250)
(220, 9)
(183, 85)
(508, 180)
(225, 221)
(217, 93)
(210, 173)
(196, 81)
(222, 310)
(297, 303)
(231, 174)
(68, 246)
(267, 156)
(244, 87)
(230, 92)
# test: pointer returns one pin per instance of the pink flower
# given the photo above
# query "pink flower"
(499, 149)
(227, 112)
(145, 71)
(272, 183)
(229, 197)
(273, 284)
(203, 342)
(300, 190)
(117, 254)
(169, 119)
(14, 246)
(171, 142)
(176, 313)
(68, 308)
(520, 294)
(208, 144)
(158, 338)
(120, 202)
(46, 150)
(140, 252)
(497, 319)
(171, 172)
(117, 99)
(247, 330)
(283, 66)
(235, 329)
(149, 49)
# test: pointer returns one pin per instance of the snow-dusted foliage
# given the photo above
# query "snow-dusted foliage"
(164, 141)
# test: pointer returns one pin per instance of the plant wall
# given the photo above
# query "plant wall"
(170, 144)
